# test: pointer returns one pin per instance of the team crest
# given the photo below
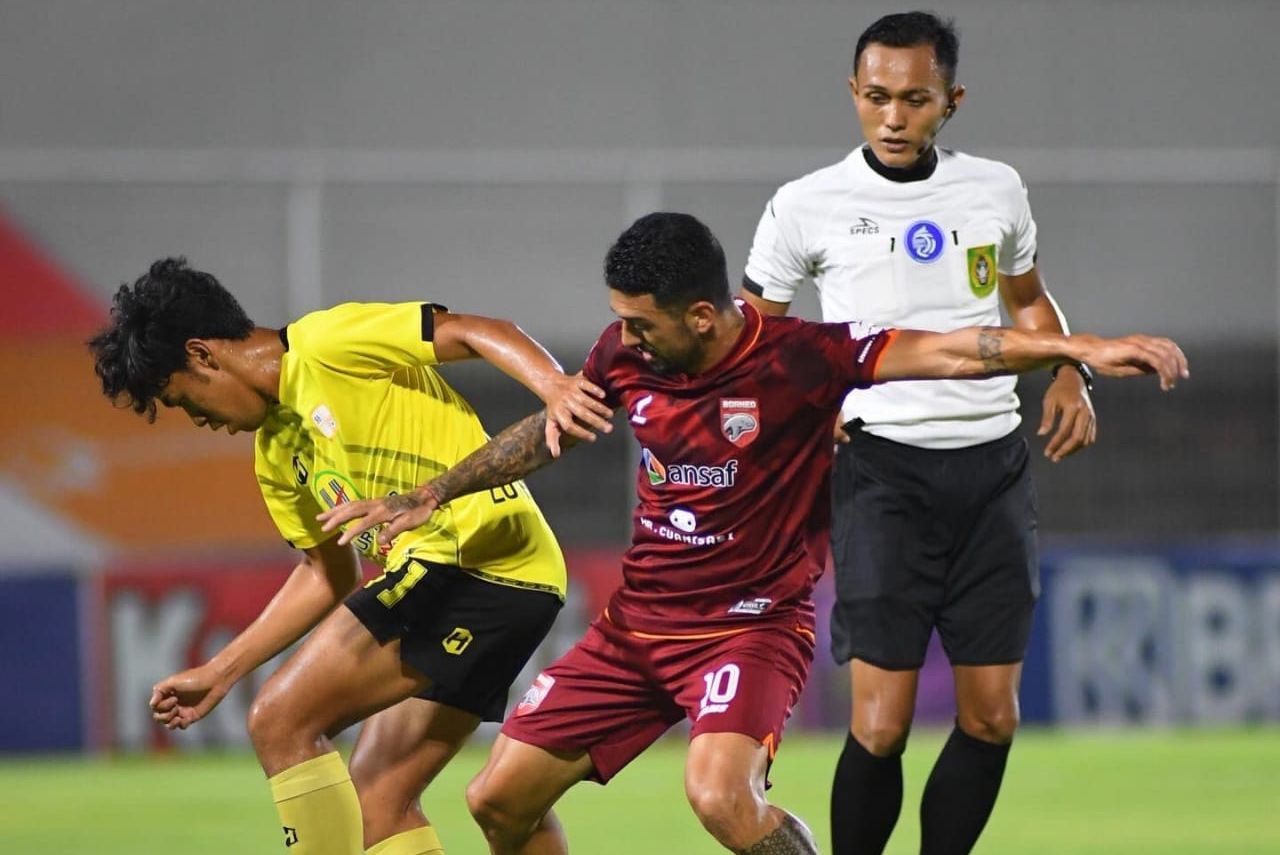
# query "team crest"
(740, 420)
(923, 241)
(982, 270)
(536, 695)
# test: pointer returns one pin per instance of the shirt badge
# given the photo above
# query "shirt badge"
(740, 420)
(982, 270)
(324, 421)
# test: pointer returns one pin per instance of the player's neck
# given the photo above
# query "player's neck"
(729, 327)
(920, 170)
(257, 360)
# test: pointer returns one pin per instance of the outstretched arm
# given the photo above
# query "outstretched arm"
(323, 579)
(509, 456)
(990, 351)
(574, 404)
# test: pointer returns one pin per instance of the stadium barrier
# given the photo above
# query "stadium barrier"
(1124, 636)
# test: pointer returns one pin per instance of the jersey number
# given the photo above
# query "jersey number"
(722, 685)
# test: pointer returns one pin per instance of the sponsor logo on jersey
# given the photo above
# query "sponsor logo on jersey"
(536, 695)
(683, 519)
(333, 489)
(637, 412)
(924, 241)
(865, 226)
(740, 420)
(982, 270)
(666, 532)
(755, 606)
(324, 421)
(687, 474)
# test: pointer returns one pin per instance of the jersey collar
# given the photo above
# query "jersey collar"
(921, 170)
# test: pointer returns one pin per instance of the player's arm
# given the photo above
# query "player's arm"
(991, 351)
(325, 576)
(511, 455)
(574, 403)
(1032, 307)
(765, 307)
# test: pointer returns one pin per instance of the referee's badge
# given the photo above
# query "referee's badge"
(982, 270)
(740, 420)
(924, 241)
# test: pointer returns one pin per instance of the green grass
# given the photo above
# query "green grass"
(1167, 792)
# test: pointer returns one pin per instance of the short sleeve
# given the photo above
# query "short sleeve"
(292, 507)
(827, 361)
(367, 339)
(599, 359)
(777, 265)
(1018, 251)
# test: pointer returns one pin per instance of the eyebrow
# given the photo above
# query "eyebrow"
(919, 90)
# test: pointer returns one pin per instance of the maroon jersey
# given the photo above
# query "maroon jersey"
(733, 516)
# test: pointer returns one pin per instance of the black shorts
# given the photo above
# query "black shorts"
(469, 637)
(926, 538)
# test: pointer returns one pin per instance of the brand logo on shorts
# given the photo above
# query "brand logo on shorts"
(457, 641)
(924, 241)
(536, 695)
(740, 420)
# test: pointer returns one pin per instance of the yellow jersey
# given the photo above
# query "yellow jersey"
(362, 414)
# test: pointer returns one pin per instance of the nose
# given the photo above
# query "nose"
(895, 118)
(629, 339)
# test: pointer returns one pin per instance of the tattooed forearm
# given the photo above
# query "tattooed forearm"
(991, 349)
(509, 456)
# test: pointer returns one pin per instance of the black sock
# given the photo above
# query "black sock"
(866, 798)
(961, 792)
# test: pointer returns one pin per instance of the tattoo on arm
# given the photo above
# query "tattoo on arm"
(509, 456)
(402, 502)
(991, 349)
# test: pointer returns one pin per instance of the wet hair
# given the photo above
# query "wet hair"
(911, 29)
(672, 256)
(151, 322)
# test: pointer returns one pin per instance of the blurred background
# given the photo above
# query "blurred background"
(484, 154)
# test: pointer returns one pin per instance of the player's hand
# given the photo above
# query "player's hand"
(839, 434)
(575, 406)
(396, 514)
(179, 701)
(1136, 354)
(1067, 403)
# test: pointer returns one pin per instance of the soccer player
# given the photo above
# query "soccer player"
(935, 519)
(346, 403)
(714, 620)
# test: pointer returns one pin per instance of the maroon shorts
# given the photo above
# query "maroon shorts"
(616, 691)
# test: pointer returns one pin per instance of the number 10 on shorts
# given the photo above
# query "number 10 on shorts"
(722, 685)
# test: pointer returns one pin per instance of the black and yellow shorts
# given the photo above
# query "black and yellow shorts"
(469, 637)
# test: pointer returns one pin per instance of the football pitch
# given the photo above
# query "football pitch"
(1168, 792)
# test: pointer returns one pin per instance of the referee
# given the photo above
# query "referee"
(935, 514)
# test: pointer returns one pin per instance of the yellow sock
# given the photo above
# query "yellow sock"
(419, 841)
(318, 807)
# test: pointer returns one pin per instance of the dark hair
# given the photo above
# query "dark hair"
(674, 257)
(151, 322)
(910, 29)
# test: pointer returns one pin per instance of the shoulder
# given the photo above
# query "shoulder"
(310, 331)
(813, 191)
(996, 177)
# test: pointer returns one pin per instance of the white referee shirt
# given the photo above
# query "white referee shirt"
(913, 255)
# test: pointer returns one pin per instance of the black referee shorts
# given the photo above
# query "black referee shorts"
(468, 636)
(926, 538)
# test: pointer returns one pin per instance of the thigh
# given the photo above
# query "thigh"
(404, 747)
(470, 636)
(889, 552)
(745, 684)
(596, 699)
(994, 581)
(340, 675)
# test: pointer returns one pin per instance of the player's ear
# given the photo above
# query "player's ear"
(957, 95)
(853, 87)
(200, 354)
(701, 316)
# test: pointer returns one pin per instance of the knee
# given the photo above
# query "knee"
(883, 737)
(268, 722)
(497, 814)
(996, 724)
(732, 815)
